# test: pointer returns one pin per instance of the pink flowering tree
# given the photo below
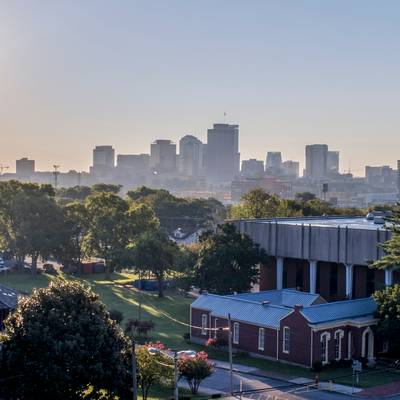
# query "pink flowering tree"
(195, 369)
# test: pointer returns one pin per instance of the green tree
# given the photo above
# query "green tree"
(31, 223)
(195, 369)
(107, 235)
(391, 259)
(229, 254)
(388, 315)
(59, 342)
(154, 368)
(155, 253)
(106, 188)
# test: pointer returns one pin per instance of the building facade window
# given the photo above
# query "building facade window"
(236, 332)
(325, 337)
(261, 339)
(338, 344)
(286, 340)
(204, 324)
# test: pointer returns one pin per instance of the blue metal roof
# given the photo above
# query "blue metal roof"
(8, 298)
(284, 297)
(252, 312)
(339, 310)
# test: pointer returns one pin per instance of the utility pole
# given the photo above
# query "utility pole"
(134, 369)
(230, 355)
(176, 390)
(56, 173)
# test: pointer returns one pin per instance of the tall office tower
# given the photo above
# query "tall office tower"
(273, 162)
(134, 162)
(316, 161)
(252, 168)
(25, 168)
(332, 162)
(190, 156)
(103, 159)
(163, 156)
(291, 169)
(223, 157)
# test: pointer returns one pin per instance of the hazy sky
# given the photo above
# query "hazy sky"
(77, 73)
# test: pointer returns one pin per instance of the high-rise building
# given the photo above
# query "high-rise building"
(398, 175)
(316, 161)
(163, 156)
(290, 169)
(252, 168)
(103, 159)
(190, 156)
(273, 162)
(137, 163)
(25, 168)
(223, 157)
(332, 162)
(380, 177)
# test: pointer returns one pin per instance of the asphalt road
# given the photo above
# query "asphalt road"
(274, 389)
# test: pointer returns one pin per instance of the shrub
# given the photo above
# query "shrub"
(49, 269)
(195, 369)
(135, 327)
(116, 316)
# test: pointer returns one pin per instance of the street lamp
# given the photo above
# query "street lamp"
(154, 351)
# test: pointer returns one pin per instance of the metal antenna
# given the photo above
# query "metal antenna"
(56, 173)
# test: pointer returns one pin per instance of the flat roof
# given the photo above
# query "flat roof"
(335, 222)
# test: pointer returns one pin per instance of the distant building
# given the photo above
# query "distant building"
(163, 156)
(137, 163)
(273, 162)
(223, 157)
(290, 169)
(25, 168)
(332, 162)
(316, 161)
(103, 159)
(191, 156)
(252, 168)
(381, 177)
(398, 176)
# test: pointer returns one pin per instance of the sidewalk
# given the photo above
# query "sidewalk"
(390, 389)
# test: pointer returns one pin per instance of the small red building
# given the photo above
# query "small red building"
(288, 325)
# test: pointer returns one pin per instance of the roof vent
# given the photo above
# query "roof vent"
(265, 302)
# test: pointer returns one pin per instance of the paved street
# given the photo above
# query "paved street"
(275, 389)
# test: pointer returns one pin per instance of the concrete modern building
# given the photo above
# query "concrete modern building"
(163, 156)
(398, 176)
(252, 168)
(332, 162)
(329, 256)
(137, 163)
(191, 156)
(316, 161)
(222, 157)
(273, 163)
(291, 169)
(25, 168)
(288, 325)
(103, 160)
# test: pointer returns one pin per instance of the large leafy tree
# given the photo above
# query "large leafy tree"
(228, 261)
(388, 315)
(155, 253)
(61, 341)
(107, 235)
(31, 223)
(391, 259)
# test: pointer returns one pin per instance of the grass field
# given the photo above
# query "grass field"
(167, 313)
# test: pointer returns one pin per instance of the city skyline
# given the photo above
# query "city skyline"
(290, 74)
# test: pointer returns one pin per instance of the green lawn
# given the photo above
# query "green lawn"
(167, 311)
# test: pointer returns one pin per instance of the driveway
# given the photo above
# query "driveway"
(272, 389)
